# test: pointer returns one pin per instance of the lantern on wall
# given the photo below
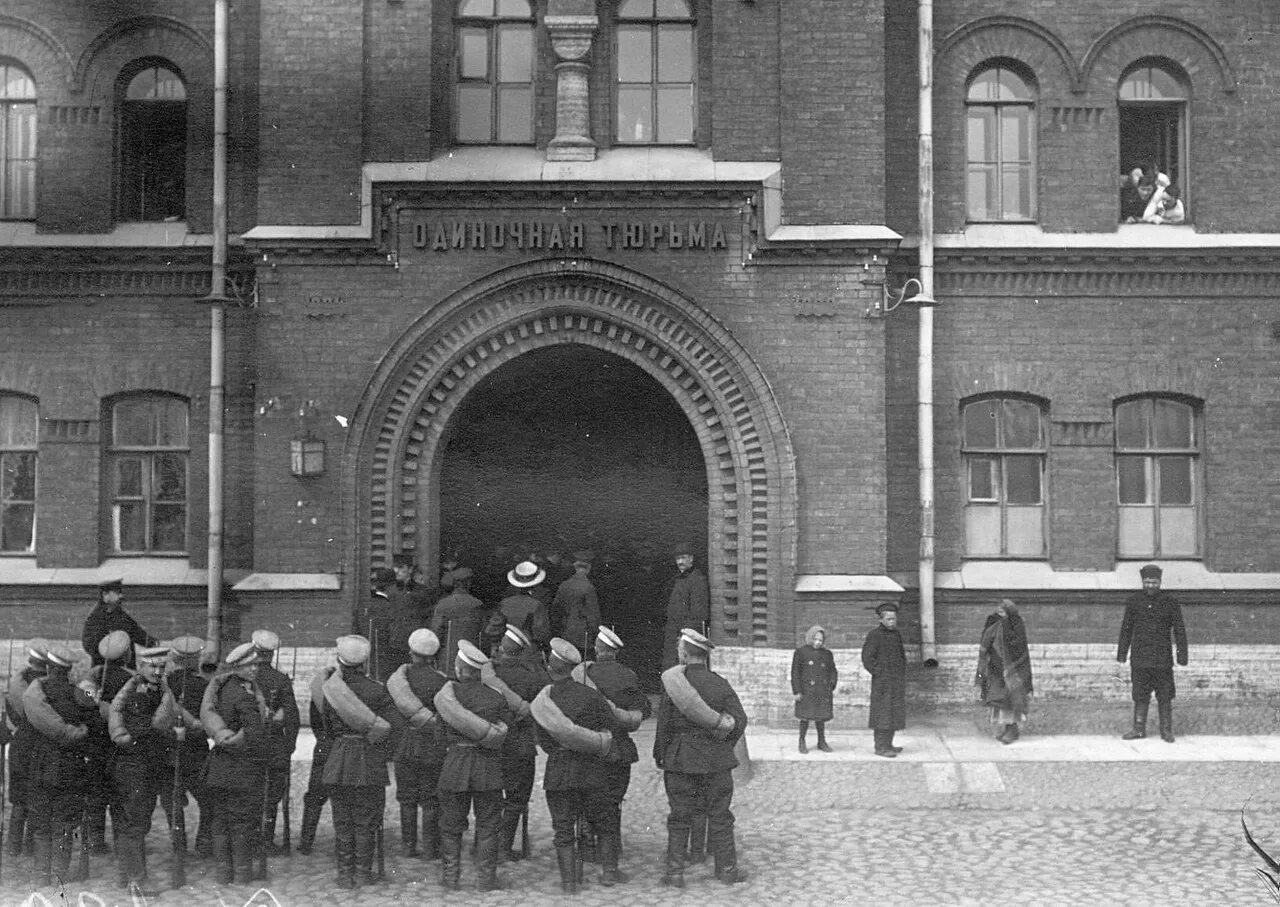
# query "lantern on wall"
(306, 456)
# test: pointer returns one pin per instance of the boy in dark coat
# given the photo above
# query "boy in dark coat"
(886, 661)
(813, 680)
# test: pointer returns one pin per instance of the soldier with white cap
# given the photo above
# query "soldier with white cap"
(699, 720)
(233, 714)
(141, 722)
(187, 684)
(20, 749)
(475, 724)
(420, 753)
(109, 677)
(283, 722)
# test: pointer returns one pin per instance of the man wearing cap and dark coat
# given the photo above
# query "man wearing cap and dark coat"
(688, 602)
(374, 622)
(62, 715)
(420, 752)
(108, 616)
(516, 672)
(885, 659)
(458, 615)
(283, 722)
(142, 720)
(522, 608)
(576, 599)
(234, 715)
(21, 824)
(412, 603)
(474, 719)
(1150, 618)
(364, 723)
(187, 684)
(317, 794)
(700, 719)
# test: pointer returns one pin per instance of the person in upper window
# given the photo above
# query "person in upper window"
(1170, 210)
(1160, 184)
(1132, 204)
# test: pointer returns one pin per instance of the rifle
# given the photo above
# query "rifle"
(4, 772)
(266, 794)
(382, 856)
(524, 831)
(178, 872)
(286, 845)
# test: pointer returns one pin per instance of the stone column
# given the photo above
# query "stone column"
(571, 38)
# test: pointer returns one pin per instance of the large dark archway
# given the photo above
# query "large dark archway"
(568, 448)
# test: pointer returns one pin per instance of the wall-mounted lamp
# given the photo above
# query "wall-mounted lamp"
(891, 299)
(306, 456)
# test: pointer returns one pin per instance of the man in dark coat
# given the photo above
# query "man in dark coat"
(577, 601)
(475, 725)
(364, 722)
(411, 605)
(317, 794)
(688, 602)
(886, 661)
(234, 715)
(697, 758)
(521, 676)
(21, 822)
(522, 608)
(187, 684)
(420, 753)
(374, 622)
(108, 616)
(283, 721)
(813, 680)
(1150, 616)
(458, 615)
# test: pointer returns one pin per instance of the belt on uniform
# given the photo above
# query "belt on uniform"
(351, 736)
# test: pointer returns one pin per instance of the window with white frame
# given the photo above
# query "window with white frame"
(19, 427)
(1004, 452)
(495, 69)
(17, 143)
(655, 69)
(1000, 135)
(1152, 123)
(147, 460)
(1157, 450)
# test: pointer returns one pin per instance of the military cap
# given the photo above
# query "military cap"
(383, 576)
(116, 584)
(470, 655)
(887, 606)
(423, 642)
(36, 651)
(525, 575)
(241, 655)
(461, 573)
(517, 636)
(682, 547)
(353, 650)
(1150, 571)
(402, 560)
(265, 640)
(114, 645)
(186, 649)
(609, 638)
(694, 638)
(565, 651)
(59, 656)
(584, 556)
(152, 655)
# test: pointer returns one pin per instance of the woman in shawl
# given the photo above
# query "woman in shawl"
(1004, 669)
(813, 679)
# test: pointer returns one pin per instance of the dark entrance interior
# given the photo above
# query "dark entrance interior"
(569, 448)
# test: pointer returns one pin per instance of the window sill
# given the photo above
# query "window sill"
(1126, 236)
(1040, 576)
(135, 571)
(22, 234)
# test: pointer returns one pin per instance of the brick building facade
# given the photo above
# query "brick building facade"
(426, 197)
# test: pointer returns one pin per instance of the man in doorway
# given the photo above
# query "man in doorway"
(522, 607)
(459, 615)
(108, 616)
(576, 599)
(1149, 617)
(688, 602)
(375, 619)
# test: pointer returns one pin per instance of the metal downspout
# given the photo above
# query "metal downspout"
(924, 380)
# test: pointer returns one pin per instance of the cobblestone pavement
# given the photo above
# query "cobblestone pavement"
(854, 831)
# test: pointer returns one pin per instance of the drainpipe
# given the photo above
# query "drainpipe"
(217, 324)
(924, 379)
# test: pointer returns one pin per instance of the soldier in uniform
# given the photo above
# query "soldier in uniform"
(187, 684)
(688, 602)
(362, 719)
(475, 725)
(459, 615)
(283, 722)
(522, 607)
(575, 780)
(699, 721)
(630, 706)
(142, 720)
(234, 715)
(576, 599)
(317, 794)
(61, 715)
(420, 753)
(108, 616)
(412, 602)
(109, 678)
(21, 827)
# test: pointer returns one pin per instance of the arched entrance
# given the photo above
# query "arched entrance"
(398, 438)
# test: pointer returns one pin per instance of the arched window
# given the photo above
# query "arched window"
(1000, 130)
(1153, 131)
(19, 427)
(153, 146)
(656, 72)
(1004, 451)
(1157, 477)
(495, 69)
(17, 143)
(147, 456)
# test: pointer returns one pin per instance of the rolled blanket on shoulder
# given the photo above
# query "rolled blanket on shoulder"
(489, 677)
(630, 719)
(354, 713)
(214, 727)
(489, 735)
(686, 699)
(569, 735)
(408, 704)
(45, 719)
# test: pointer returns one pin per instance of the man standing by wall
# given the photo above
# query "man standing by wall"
(885, 659)
(1149, 617)
(108, 616)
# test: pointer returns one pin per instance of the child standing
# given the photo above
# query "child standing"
(813, 680)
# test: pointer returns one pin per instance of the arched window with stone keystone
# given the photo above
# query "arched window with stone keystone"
(1000, 144)
(1005, 451)
(655, 68)
(17, 143)
(494, 49)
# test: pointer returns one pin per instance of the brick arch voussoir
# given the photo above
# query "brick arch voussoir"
(1031, 379)
(40, 53)
(1012, 37)
(1190, 47)
(143, 36)
(1160, 378)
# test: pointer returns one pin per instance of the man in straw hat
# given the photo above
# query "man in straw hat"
(20, 749)
(522, 607)
(107, 616)
(363, 721)
(420, 754)
(187, 683)
(699, 720)
(141, 721)
(232, 714)
(283, 722)
(885, 659)
(688, 602)
(475, 724)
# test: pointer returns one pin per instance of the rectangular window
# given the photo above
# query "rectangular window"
(148, 459)
(19, 425)
(1004, 453)
(1157, 461)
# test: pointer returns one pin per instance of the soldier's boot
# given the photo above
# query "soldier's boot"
(431, 830)
(727, 868)
(451, 862)
(307, 834)
(565, 860)
(204, 838)
(63, 843)
(269, 835)
(507, 837)
(366, 841)
(243, 853)
(587, 842)
(344, 843)
(1139, 729)
(409, 829)
(697, 839)
(221, 847)
(487, 861)
(673, 869)
(28, 840)
(96, 822)
(609, 873)
(41, 864)
(1165, 710)
(17, 828)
